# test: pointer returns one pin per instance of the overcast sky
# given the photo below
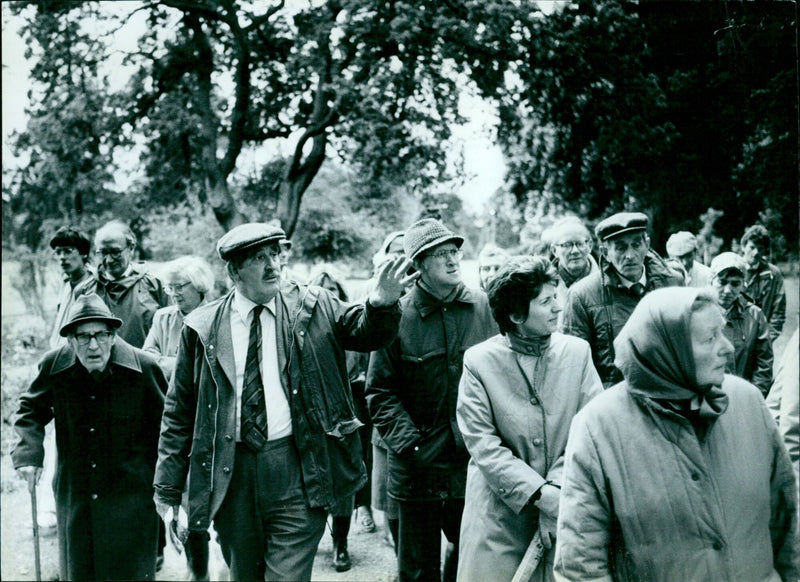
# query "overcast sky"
(483, 161)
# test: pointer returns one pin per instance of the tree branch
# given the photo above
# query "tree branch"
(242, 81)
(257, 21)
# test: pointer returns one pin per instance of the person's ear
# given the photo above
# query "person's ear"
(232, 271)
(603, 250)
(647, 241)
(516, 318)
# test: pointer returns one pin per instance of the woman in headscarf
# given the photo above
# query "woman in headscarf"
(518, 393)
(677, 472)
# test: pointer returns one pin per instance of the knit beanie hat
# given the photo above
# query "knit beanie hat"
(425, 234)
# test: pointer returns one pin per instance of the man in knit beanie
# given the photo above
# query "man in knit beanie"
(412, 387)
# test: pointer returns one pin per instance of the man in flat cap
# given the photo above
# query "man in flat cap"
(599, 305)
(106, 398)
(260, 398)
(746, 326)
(682, 246)
(763, 281)
(412, 387)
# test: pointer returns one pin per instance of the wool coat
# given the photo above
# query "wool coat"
(313, 331)
(666, 479)
(514, 410)
(106, 438)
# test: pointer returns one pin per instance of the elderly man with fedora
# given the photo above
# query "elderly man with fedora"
(682, 246)
(599, 305)
(746, 326)
(412, 387)
(259, 418)
(106, 398)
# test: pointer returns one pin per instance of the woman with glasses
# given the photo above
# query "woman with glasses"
(190, 281)
(517, 396)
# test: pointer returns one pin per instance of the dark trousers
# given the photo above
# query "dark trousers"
(420, 539)
(266, 529)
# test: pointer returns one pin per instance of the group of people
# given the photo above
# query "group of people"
(580, 417)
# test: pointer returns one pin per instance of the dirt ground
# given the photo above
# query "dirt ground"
(373, 559)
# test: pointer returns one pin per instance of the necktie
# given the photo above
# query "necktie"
(254, 408)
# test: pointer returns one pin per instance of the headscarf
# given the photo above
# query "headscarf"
(654, 352)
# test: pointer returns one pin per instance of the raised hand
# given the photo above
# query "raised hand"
(392, 281)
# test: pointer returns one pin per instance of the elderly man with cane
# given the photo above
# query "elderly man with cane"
(106, 398)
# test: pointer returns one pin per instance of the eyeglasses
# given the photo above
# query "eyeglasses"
(65, 251)
(447, 254)
(84, 339)
(177, 287)
(113, 253)
(578, 244)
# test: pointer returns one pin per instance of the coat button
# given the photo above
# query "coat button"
(533, 401)
(209, 407)
(294, 391)
(91, 430)
(94, 496)
(717, 546)
(93, 465)
(537, 442)
(198, 522)
(211, 346)
(302, 333)
(226, 469)
(204, 464)
(695, 477)
(416, 448)
(92, 397)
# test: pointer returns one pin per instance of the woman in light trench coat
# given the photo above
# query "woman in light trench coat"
(518, 394)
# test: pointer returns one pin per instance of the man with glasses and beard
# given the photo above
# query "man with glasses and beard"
(106, 398)
(412, 387)
(131, 294)
(260, 398)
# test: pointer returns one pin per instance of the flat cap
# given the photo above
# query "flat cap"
(681, 243)
(247, 236)
(621, 223)
(88, 308)
(725, 261)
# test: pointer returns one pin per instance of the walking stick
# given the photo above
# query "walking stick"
(530, 561)
(35, 516)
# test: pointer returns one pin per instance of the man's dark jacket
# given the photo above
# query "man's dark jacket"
(313, 330)
(412, 387)
(107, 438)
(599, 305)
(765, 288)
(747, 329)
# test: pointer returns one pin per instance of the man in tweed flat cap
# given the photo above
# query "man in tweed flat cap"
(412, 386)
(260, 389)
(599, 305)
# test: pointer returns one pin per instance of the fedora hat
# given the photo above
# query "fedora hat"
(88, 308)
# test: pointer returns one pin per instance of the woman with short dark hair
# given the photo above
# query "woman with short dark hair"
(518, 393)
(678, 472)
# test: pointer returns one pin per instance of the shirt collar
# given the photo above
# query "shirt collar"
(628, 284)
(427, 303)
(243, 306)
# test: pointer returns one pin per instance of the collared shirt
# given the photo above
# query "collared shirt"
(279, 417)
(627, 283)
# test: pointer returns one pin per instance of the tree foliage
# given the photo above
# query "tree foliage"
(209, 81)
(667, 107)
